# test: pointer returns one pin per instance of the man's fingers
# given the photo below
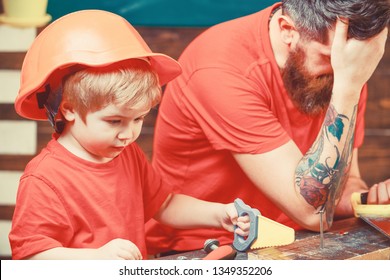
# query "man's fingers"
(382, 38)
(373, 194)
(341, 31)
(383, 193)
(379, 193)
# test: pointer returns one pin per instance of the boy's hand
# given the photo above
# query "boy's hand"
(120, 249)
(230, 219)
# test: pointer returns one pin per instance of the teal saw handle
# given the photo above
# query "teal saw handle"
(241, 243)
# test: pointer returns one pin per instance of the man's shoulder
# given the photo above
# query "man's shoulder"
(234, 45)
(228, 30)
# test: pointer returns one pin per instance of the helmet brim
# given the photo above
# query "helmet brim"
(27, 106)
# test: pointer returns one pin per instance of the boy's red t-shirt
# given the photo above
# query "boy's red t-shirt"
(65, 201)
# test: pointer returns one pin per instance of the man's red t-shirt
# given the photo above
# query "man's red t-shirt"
(229, 98)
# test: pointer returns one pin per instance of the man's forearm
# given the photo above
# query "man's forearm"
(321, 173)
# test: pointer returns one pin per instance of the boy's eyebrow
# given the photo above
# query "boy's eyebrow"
(145, 114)
(117, 115)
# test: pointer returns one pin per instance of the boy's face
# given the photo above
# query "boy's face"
(105, 133)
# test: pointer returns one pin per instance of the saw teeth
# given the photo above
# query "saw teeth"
(272, 234)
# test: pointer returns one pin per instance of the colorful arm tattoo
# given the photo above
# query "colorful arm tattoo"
(322, 172)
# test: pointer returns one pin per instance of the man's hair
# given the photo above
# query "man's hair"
(135, 85)
(313, 18)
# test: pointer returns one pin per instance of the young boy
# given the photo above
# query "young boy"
(88, 194)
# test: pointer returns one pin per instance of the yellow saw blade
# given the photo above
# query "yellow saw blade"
(271, 234)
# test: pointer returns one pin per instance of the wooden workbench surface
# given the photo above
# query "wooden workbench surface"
(348, 239)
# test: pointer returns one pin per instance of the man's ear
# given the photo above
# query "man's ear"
(288, 32)
(67, 111)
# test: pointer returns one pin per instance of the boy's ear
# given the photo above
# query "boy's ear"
(289, 34)
(67, 111)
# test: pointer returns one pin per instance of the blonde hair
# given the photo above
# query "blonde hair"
(133, 84)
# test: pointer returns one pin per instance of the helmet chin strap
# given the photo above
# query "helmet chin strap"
(51, 100)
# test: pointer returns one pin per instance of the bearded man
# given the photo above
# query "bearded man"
(270, 108)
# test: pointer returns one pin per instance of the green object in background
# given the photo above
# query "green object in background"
(165, 12)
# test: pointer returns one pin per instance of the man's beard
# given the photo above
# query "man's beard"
(310, 94)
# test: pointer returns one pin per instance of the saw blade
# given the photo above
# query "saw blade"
(376, 215)
(382, 224)
(272, 234)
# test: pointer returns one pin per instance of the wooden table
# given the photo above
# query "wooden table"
(348, 239)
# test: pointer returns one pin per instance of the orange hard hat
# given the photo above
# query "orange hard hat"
(88, 38)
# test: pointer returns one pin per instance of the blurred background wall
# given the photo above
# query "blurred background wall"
(165, 12)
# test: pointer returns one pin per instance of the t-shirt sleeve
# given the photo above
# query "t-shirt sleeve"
(40, 221)
(233, 112)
